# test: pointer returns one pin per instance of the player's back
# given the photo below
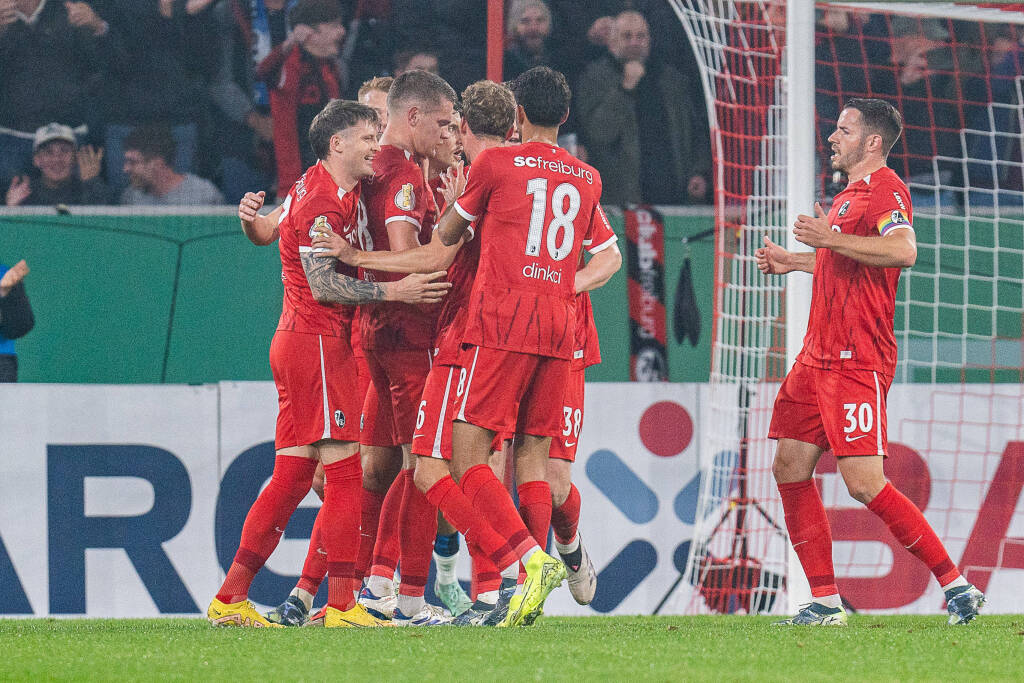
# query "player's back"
(315, 203)
(534, 205)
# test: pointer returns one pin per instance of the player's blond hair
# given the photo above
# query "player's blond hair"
(381, 83)
(488, 108)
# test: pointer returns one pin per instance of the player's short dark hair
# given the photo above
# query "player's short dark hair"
(421, 86)
(544, 95)
(381, 83)
(880, 118)
(488, 108)
(152, 141)
(313, 12)
(334, 118)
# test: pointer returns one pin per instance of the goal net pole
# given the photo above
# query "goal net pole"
(800, 198)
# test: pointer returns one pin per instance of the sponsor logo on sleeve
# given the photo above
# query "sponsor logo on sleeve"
(405, 198)
(899, 200)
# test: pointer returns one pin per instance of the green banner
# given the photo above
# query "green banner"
(126, 299)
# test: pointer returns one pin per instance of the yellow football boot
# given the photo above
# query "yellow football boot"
(237, 614)
(543, 575)
(357, 617)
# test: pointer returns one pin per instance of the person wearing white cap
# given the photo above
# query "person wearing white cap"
(55, 152)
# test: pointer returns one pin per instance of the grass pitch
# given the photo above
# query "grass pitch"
(890, 648)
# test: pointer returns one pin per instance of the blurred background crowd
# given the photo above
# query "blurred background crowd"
(197, 101)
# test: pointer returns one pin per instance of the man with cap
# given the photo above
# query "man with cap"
(56, 154)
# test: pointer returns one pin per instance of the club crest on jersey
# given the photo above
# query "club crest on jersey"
(897, 217)
(339, 418)
(899, 200)
(844, 207)
(320, 225)
(405, 199)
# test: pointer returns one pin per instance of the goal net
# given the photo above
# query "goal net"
(956, 406)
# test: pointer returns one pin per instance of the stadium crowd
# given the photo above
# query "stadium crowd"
(197, 101)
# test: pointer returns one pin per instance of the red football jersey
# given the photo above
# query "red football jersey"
(451, 324)
(588, 348)
(852, 304)
(534, 205)
(397, 192)
(315, 201)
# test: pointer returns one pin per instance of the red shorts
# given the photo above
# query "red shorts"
(839, 409)
(364, 378)
(376, 425)
(305, 368)
(433, 437)
(508, 391)
(563, 446)
(398, 377)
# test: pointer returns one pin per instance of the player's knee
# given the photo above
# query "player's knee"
(863, 490)
(425, 477)
(376, 478)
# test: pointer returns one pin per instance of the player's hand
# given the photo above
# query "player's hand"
(453, 182)
(12, 277)
(89, 161)
(814, 231)
(299, 35)
(419, 288)
(250, 206)
(19, 190)
(329, 244)
(773, 259)
(632, 72)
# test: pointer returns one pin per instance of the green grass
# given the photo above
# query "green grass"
(902, 648)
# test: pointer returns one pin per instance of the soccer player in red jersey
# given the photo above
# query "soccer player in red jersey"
(313, 368)
(398, 340)
(834, 396)
(564, 514)
(533, 205)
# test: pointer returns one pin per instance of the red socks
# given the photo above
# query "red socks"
(486, 576)
(369, 519)
(315, 567)
(447, 497)
(911, 529)
(386, 549)
(342, 490)
(417, 528)
(490, 499)
(810, 534)
(535, 509)
(265, 523)
(565, 518)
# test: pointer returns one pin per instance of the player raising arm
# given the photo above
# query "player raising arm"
(834, 396)
(313, 368)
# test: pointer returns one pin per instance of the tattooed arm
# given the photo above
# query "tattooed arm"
(329, 286)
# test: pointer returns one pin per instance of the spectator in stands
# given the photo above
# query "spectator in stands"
(306, 73)
(16, 318)
(423, 59)
(374, 94)
(149, 164)
(528, 39)
(643, 123)
(238, 138)
(173, 48)
(55, 153)
(52, 57)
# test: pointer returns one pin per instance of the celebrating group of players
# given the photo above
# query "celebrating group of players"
(433, 319)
